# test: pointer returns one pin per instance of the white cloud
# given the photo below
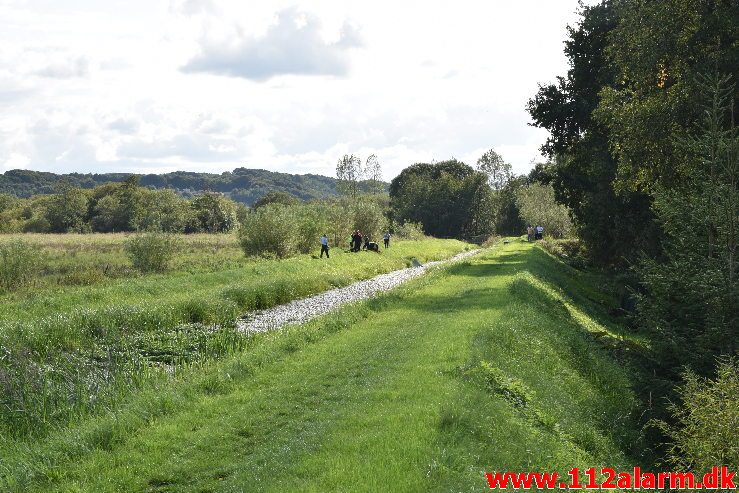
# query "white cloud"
(65, 69)
(99, 86)
(292, 46)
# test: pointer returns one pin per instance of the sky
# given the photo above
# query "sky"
(155, 86)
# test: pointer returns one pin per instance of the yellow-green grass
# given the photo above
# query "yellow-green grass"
(68, 351)
(342, 268)
(86, 259)
(480, 367)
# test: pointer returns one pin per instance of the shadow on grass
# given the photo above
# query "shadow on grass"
(571, 311)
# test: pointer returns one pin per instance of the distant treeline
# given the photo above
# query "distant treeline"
(117, 207)
(241, 185)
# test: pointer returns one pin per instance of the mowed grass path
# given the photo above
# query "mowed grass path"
(479, 367)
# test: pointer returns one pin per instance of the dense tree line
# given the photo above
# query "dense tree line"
(241, 185)
(643, 145)
(449, 198)
(452, 199)
(117, 207)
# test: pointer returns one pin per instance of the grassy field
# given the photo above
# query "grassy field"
(497, 363)
(86, 259)
(67, 350)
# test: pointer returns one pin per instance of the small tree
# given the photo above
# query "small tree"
(498, 171)
(215, 213)
(373, 174)
(151, 252)
(349, 173)
(537, 207)
(66, 210)
(707, 421)
(691, 294)
(368, 218)
(269, 231)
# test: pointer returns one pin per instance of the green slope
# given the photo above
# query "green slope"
(488, 365)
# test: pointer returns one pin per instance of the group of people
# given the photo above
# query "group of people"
(534, 232)
(355, 242)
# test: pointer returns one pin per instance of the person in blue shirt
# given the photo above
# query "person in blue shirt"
(324, 245)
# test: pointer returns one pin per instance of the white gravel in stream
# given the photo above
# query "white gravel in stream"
(300, 311)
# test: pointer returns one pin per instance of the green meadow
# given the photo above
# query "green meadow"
(69, 351)
(506, 361)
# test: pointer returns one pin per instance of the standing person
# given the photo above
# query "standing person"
(529, 233)
(324, 245)
(540, 232)
(386, 239)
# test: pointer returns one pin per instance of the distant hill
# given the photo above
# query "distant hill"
(242, 184)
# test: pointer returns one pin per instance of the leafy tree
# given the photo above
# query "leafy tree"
(349, 173)
(67, 210)
(269, 231)
(479, 203)
(615, 226)
(537, 207)
(508, 219)
(448, 198)
(105, 215)
(657, 50)
(214, 213)
(7, 201)
(275, 197)
(373, 175)
(498, 171)
(367, 217)
(130, 206)
(163, 210)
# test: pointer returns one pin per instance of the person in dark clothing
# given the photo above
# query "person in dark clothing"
(324, 245)
(386, 239)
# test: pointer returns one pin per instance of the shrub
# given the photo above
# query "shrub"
(269, 231)
(36, 225)
(368, 218)
(707, 421)
(19, 262)
(151, 252)
(311, 224)
(409, 231)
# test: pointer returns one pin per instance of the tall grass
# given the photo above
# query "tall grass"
(89, 259)
(19, 262)
(66, 353)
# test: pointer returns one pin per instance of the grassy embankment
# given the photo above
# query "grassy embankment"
(488, 365)
(66, 350)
